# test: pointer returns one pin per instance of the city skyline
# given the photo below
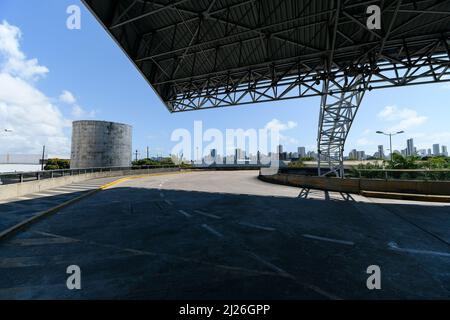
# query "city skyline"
(302, 152)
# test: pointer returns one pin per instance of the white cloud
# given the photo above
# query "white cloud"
(34, 119)
(15, 61)
(77, 111)
(67, 97)
(404, 118)
(277, 125)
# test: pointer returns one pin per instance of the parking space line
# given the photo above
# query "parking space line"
(214, 232)
(255, 226)
(207, 214)
(168, 202)
(349, 243)
(184, 213)
(394, 247)
(271, 265)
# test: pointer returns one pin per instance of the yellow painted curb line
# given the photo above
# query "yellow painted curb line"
(26, 223)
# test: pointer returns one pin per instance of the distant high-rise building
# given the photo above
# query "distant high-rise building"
(353, 155)
(280, 149)
(436, 150)
(429, 152)
(312, 154)
(422, 152)
(239, 155)
(301, 152)
(380, 152)
(360, 155)
(444, 151)
(410, 147)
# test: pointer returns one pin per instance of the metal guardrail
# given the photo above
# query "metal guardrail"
(21, 177)
(405, 174)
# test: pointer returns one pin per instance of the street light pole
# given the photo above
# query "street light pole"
(43, 158)
(390, 144)
(390, 134)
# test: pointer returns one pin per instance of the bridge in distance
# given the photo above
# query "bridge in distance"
(199, 54)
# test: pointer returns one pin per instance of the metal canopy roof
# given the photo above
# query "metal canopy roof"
(209, 53)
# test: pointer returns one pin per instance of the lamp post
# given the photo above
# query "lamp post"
(390, 138)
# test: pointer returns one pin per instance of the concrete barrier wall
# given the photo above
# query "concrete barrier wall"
(21, 189)
(404, 186)
(358, 185)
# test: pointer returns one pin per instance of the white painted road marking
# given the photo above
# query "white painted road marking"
(207, 214)
(256, 226)
(40, 241)
(184, 213)
(349, 243)
(393, 246)
(168, 202)
(214, 232)
(271, 265)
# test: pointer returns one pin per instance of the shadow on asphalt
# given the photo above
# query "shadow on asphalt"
(136, 243)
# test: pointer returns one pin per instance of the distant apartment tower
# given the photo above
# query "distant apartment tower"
(353, 155)
(360, 155)
(213, 155)
(280, 149)
(444, 151)
(381, 151)
(239, 155)
(410, 147)
(429, 152)
(301, 152)
(312, 154)
(436, 151)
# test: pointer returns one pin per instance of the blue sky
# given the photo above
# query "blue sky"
(102, 84)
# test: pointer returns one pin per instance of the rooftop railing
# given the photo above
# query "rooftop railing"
(21, 177)
(403, 174)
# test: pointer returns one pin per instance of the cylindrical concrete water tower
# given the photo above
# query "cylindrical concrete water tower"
(97, 144)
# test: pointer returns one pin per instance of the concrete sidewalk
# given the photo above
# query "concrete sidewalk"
(16, 210)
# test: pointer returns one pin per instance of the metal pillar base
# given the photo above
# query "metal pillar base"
(337, 112)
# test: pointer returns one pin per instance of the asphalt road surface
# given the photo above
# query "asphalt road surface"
(227, 235)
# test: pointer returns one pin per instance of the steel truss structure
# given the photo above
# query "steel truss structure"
(200, 54)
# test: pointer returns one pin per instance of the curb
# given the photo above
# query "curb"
(365, 193)
(405, 196)
(26, 223)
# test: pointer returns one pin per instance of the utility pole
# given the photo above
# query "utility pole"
(136, 157)
(148, 154)
(43, 158)
(390, 138)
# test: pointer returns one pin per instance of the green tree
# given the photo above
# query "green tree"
(296, 164)
(57, 164)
